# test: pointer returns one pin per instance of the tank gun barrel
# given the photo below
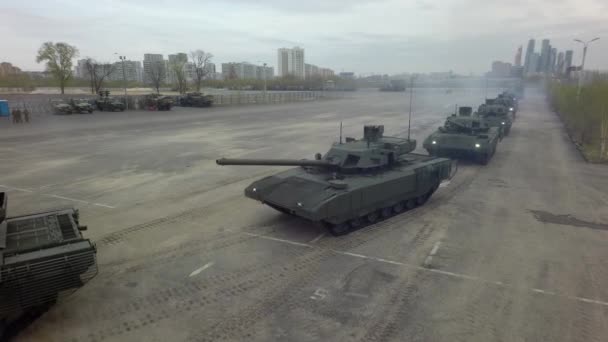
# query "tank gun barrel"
(275, 162)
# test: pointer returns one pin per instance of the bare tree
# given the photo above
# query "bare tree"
(200, 60)
(178, 71)
(98, 72)
(58, 59)
(156, 74)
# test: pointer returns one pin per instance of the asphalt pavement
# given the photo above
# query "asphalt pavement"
(511, 251)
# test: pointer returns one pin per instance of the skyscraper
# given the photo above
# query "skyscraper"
(534, 63)
(291, 62)
(559, 67)
(552, 60)
(529, 52)
(518, 57)
(568, 60)
(545, 56)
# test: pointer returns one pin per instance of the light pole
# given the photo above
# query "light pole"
(124, 77)
(581, 72)
(264, 78)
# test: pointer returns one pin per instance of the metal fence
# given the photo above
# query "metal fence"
(42, 105)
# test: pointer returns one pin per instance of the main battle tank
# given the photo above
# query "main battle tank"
(508, 100)
(42, 256)
(464, 136)
(496, 115)
(355, 183)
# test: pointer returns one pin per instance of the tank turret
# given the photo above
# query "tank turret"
(372, 152)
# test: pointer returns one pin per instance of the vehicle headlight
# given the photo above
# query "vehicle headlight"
(477, 145)
(434, 142)
(254, 189)
(511, 109)
(299, 204)
(502, 123)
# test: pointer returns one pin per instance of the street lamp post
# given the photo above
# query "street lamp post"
(124, 77)
(581, 72)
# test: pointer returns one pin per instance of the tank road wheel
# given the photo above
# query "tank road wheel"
(410, 204)
(339, 229)
(386, 212)
(355, 223)
(372, 217)
(420, 200)
(398, 208)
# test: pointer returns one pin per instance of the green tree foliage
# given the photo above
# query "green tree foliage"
(586, 118)
(58, 58)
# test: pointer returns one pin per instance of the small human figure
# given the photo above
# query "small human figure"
(26, 115)
(17, 116)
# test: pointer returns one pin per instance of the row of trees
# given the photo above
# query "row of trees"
(585, 116)
(59, 63)
(59, 57)
(196, 66)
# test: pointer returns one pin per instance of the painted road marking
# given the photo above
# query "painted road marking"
(429, 258)
(444, 184)
(441, 272)
(59, 197)
(201, 269)
(317, 238)
(16, 189)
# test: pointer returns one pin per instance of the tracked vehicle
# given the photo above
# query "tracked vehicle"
(355, 183)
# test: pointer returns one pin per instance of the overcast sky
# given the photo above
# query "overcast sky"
(356, 35)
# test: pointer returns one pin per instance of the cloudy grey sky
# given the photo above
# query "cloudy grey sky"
(383, 36)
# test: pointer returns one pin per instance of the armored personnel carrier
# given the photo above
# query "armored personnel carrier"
(81, 106)
(196, 100)
(496, 115)
(355, 183)
(42, 256)
(464, 136)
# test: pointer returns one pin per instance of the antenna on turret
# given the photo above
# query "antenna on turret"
(340, 132)
(485, 89)
(456, 109)
(409, 121)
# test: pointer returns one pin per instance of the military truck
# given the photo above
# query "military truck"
(355, 183)
(196, 100)
(157, 102)
(109, 104)
(464, 136)
(61, 107)
(81, 106)
(496, 115)
(43, 256)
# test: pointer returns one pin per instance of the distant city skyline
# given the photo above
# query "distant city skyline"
(360, 36)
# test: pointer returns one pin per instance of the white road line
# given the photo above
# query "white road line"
(201, 269)
(441, 272)
(66, 198)
(279, 240)
(435, 248)
(429, 258)
(104, 205)
(16, 189)
(444, 184)
(317, 238)
(59, 197)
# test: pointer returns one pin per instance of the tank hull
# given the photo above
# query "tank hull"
(354, 197)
